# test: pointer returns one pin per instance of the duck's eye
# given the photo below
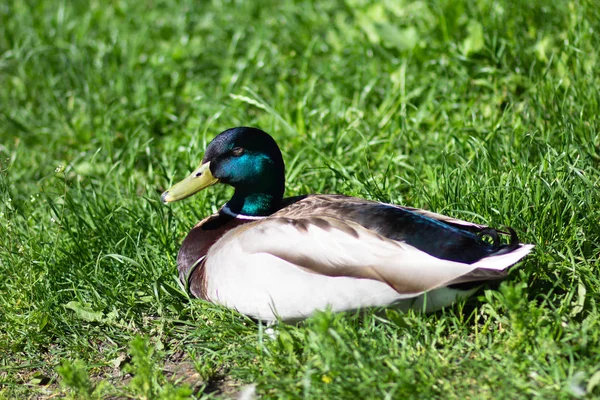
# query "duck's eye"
(237, 151)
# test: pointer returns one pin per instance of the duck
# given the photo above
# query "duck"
(284, 259)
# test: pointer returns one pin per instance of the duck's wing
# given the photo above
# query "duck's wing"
(435, 234)
(333, 247)
(459, 223)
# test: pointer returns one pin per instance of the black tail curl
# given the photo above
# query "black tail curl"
(501, 248)
(492, 234)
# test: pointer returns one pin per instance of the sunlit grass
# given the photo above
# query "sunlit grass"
(482, 110)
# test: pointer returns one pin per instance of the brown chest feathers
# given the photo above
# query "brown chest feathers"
(191, 257)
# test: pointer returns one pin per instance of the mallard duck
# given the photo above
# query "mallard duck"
(272, 258)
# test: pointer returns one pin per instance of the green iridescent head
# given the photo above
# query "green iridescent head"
(247, 159)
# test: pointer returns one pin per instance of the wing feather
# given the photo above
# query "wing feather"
(333, 247)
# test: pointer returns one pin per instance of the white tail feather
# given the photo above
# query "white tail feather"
(503, 261)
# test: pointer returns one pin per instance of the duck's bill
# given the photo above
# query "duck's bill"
(200, 179)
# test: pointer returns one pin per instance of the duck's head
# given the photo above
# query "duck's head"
(247, 159)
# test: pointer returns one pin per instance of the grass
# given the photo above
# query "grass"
(484, 110)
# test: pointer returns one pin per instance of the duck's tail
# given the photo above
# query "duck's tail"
(495, 266)
(501, 248)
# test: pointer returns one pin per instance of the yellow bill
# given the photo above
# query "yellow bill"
(200, 179)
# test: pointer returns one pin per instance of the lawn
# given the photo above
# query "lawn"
(482, 110)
